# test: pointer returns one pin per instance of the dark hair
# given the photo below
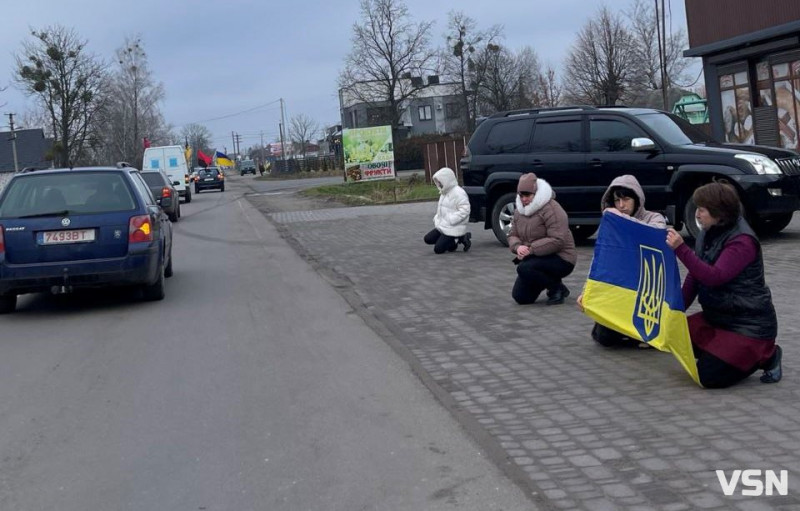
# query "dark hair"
(620, 192)
(721, 201)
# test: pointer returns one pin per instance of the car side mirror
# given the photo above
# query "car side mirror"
(176, 183)
(643, 144)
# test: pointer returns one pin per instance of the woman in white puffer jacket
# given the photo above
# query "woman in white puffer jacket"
(452, 214)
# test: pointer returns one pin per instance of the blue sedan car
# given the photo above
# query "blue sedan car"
(66, 229)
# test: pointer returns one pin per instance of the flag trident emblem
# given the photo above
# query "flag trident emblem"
(650, 294)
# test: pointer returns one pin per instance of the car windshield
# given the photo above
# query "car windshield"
(675, 130)
(153, 179)
(66, 193)
(209, 173)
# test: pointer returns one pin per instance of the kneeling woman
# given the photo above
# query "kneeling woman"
(734, 335)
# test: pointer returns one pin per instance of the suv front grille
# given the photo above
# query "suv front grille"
(789, 166)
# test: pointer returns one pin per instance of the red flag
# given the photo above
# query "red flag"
(146, 142)
(203, 159)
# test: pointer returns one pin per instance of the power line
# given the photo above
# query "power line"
(235, 114)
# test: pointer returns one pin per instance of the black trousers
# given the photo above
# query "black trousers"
(441, 242)
(537, 273)
(717, 374)
(611, 338)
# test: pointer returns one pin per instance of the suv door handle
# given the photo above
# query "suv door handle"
(594, 162)
(537, 163)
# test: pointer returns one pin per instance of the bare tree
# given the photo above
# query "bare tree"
(550, 89)
(509, 80)
(647, 69)
(464, 42)
(68, 83)
(301, 128)
(133, 112)
(600, 63)
(198, 137)
(388, 49)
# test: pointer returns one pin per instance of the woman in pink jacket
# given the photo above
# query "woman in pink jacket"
(541, 240)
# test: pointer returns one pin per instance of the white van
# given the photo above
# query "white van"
(172, 160)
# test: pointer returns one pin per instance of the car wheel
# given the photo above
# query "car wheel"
(188, 197)
(155, 291)
(168, 269)
(502, 215)
(582, 233)
(689, 220)
(772, 225)
(173, 217)
(197, 190)
(179, 209)
(222, 188)
(8, 303)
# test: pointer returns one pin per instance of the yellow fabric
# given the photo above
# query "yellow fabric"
(614, 306)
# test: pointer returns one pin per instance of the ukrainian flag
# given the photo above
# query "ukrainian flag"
(223, 160)
(634, 287)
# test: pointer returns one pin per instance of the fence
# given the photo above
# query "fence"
(444, 153)
(309, 163)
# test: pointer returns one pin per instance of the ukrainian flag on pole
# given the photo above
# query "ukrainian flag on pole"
(634, 287)
(223, 160)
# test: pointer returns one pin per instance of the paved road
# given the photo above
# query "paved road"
(251, 387)
(577, 426)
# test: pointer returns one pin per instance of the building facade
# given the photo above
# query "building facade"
(751, 63)
(434, 109)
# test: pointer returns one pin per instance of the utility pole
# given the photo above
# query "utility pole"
(662, 49)
(233, 141)
(13, 140)
(238, 147)
(262, 147)
(283, 145)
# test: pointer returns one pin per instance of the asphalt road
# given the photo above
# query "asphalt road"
(252, 386)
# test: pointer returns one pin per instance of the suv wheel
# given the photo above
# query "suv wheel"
(689, 220)
(502, 215)
(582, 232)
(772, 225)
(8, 303)
(188, 197)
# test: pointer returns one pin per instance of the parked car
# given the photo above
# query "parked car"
(209, 178)
(579, 150)
(163, 192)
(247, 167)
(66, 229)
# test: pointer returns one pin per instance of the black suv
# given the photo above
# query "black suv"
(247, 167)
(579, 150)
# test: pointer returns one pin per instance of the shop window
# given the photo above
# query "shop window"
(737, 110)
(787, 102)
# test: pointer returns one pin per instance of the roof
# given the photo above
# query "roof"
(31, 150)
(745, 39)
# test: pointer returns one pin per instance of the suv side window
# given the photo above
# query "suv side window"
(509, 137)
(144, 190)
(611, 136)
(557, 136)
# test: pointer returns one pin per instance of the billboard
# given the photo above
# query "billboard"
(368, 153)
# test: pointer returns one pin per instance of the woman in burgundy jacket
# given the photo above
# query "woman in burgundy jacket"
(734, 335)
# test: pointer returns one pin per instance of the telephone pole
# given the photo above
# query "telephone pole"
(13, 140)
(283, 144)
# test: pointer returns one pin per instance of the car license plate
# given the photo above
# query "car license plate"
(208, 179)
(62, 237)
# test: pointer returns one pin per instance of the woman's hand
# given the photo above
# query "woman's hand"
(523, 251)
(580, 302)
(615, 211)
(674, 240)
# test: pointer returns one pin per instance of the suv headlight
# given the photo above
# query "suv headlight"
(761, 164)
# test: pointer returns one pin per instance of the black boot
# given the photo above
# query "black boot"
(467, 241)
(557, 296)
(773, 372)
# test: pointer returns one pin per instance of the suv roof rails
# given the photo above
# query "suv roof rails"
(528, 111)
(123, 165)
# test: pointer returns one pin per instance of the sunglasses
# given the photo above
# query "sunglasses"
(525, 194)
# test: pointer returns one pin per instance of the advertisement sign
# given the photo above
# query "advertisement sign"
(368, 153)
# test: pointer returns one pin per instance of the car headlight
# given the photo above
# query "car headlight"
(761, 164)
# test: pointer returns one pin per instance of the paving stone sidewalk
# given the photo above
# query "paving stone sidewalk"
(588, 428)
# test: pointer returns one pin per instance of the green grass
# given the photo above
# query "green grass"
(365, 193)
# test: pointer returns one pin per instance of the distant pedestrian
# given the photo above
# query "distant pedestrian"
(452, 215)
(735, 333)
(624, 197)
(541, 240)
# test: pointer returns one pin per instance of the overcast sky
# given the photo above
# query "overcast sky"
(218, 58)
